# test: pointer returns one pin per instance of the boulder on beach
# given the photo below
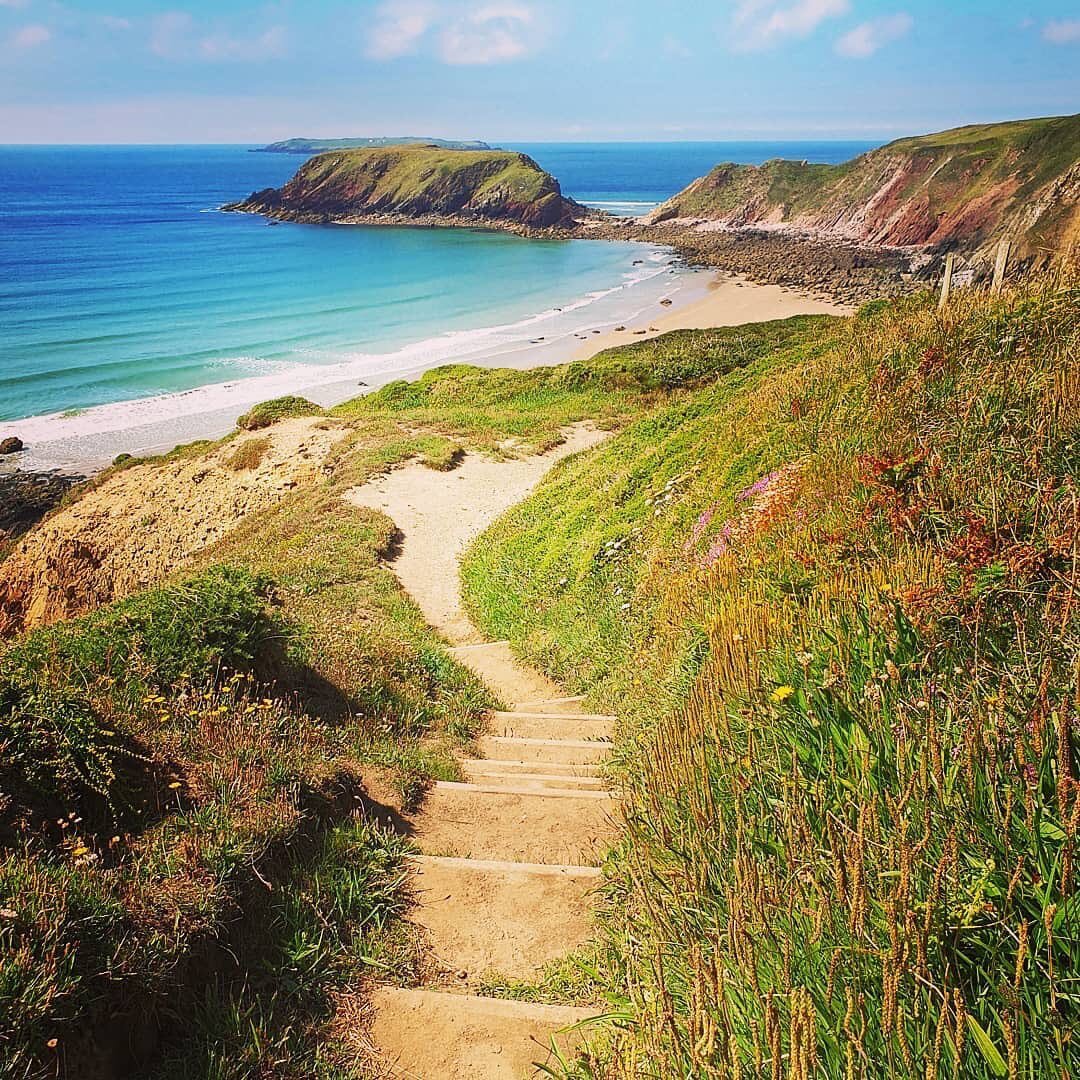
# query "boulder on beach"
(11, 445)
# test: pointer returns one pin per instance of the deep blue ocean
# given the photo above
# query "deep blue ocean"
(120, 280)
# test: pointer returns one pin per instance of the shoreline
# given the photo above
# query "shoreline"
(88, 441)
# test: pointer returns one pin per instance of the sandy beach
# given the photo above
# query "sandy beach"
(728, 301)
(85, 441)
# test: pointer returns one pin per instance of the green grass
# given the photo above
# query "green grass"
(824, 570)
(272, 412)
(833, 598)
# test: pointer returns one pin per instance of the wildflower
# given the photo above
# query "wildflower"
(804, 658)
(782, 693)
(80, 851)
(174, 785)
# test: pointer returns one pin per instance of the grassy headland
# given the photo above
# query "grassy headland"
(497, 187)
(826, 572)
(834, 596)
(962, 189)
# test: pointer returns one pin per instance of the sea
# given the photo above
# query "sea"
(131, 306)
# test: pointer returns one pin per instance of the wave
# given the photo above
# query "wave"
(548, 336)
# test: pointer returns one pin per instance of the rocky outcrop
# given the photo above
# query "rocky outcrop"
(133, 527)
(11, 445)
(959, 190)
(420, 184)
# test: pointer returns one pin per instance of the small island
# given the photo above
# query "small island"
(321, 146)
(420, 185)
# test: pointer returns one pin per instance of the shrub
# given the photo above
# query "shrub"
(248, 454)
(835, 597)
(282, 408)
(73, 696)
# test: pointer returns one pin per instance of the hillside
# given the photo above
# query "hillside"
(322, 146)
(823, 570)
(962, 189)
(421, 183)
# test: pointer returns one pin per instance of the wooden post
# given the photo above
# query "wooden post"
(946, 281)
(1000, 263)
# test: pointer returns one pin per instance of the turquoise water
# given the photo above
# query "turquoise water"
(119, 279)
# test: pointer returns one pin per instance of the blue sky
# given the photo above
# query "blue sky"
(212, 71)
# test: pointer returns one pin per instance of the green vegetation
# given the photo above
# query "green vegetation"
(963, 186)
(824, 570)
(833, 595)
(180, 850)
(248, 454)
(271, 412)
(420, 180)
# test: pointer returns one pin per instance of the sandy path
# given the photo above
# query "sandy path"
(507, 862)
(441, 513)
(730, 301)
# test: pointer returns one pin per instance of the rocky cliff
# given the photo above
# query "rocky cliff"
(958, 190)
(423, 183)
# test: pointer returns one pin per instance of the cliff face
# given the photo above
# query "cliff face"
(962, 189)
(420, 182)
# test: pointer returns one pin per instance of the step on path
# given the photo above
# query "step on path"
(509, 859)
(503, 885)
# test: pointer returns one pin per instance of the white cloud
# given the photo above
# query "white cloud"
(757, 24)
(456, 32)
(30, 37)
(493, 35)
(271, 44)
(868, 37)
(175, 35)
(14, 3)
(1062, 31)
(399, 27)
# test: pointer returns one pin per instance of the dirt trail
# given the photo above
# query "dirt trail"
(441, 513)
(507, 861)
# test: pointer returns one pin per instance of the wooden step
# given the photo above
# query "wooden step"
(521, 826)
(542, 714)
(428, 1035)
(513, 788)
(551, 705)
(539, 779)
(556, 751)
(496, 766)
(496, 917)
(551, 726)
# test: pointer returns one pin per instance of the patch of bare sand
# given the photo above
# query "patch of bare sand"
(441, 513)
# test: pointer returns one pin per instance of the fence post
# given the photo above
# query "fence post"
(1000, 263)
(946, 281)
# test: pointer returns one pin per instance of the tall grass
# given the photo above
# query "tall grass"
(834, 597)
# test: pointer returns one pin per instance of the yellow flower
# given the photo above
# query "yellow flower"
(782, 693)
(80, 851)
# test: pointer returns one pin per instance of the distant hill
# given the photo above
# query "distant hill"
(961, 189)
(320, 146)
(426, 184)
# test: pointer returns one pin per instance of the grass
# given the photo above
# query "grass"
(248, 454)
(272, 412)
(833, 596)
(824, 570)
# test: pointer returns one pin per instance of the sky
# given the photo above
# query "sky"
(206, 71)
